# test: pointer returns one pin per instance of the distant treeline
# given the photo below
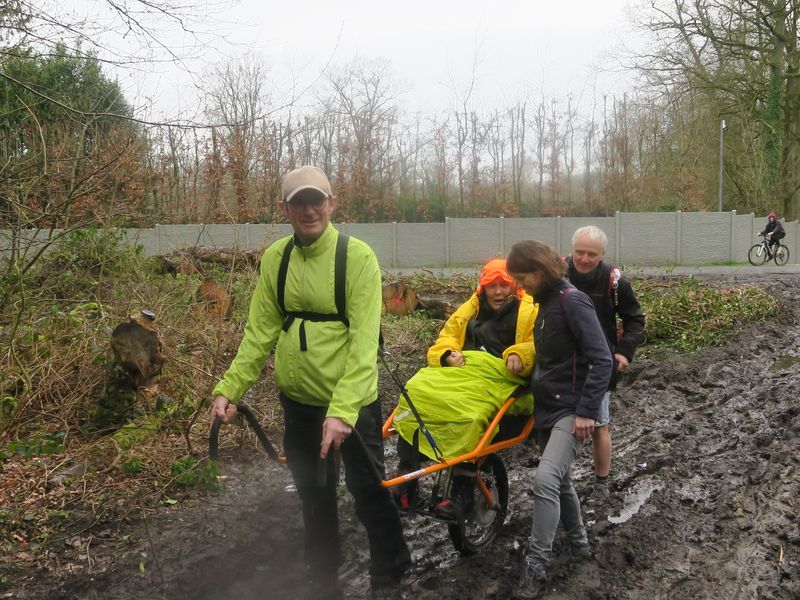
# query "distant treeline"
(71, 151)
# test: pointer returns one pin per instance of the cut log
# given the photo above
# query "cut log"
(189, 260)
(399, 299)
(215, 299)
(138, 349)
(437, 307)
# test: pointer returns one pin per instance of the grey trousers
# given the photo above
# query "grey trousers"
(554, 496)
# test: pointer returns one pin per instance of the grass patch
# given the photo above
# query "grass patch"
(204, 476)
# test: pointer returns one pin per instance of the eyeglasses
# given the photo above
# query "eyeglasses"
(316, 203)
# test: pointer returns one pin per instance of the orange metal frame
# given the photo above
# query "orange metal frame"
(482, 449)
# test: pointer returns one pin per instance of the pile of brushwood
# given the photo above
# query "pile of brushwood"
(81, 450)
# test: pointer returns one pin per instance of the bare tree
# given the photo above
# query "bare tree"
(540, 132)
(234, 94)
(364, 95)
(496, 142)
(568, 142)
(516, 137)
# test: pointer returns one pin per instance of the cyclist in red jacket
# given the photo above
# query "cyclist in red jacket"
(773, 232)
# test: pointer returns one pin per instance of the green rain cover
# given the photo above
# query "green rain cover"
(458, 403)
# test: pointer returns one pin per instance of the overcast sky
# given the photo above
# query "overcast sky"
(521, 47)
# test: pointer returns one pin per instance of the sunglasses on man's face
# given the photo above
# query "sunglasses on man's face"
(298, 205)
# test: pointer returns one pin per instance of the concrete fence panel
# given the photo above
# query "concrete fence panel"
(422, 244)
(262, 235)
(705, 238)
(743, 237)
(649, 238)
(633, 238)
(519, 229)
(382, 237)
(474, 241)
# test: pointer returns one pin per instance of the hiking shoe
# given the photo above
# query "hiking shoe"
(406, 498)
(599, 494)
(580, 552)
(460, 502)
(532, 582)
(385, 587)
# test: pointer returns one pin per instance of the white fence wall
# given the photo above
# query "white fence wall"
(634, 238)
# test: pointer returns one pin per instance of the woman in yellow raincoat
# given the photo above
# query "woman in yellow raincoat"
(488, 343)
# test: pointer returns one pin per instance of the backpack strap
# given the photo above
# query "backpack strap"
(282, 271)
(613, 287)
(564, 293)
(339, 275)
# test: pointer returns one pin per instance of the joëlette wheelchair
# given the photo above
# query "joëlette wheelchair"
(477, 528)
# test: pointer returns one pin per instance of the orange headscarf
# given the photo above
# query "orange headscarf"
(495, 270)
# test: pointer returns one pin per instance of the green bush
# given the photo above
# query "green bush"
(38, 445)
(81, 259)
(687, 314)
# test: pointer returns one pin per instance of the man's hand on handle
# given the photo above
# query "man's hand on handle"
(222, 408)
(334, 432)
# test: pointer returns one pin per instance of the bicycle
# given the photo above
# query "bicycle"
(760, 253)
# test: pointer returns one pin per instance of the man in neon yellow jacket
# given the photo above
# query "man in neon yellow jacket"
(318, 301)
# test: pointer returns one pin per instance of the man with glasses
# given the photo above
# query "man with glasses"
(318, 301)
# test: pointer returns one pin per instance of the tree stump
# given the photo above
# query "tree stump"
(138, 349)
(399, 299)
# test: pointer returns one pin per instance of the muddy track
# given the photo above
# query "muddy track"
(705, 499)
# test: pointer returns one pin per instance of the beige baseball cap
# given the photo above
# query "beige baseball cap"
(305, 178)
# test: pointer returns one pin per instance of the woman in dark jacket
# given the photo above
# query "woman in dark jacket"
(572, 372)
(773, 231)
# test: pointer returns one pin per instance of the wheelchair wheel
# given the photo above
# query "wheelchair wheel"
(781, 255)
(757, 255)
(480, 527)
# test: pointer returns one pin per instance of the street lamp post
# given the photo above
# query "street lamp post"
(722, 128)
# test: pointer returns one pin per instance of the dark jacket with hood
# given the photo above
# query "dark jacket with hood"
(573, 361)
(609, 303)
(774, 227)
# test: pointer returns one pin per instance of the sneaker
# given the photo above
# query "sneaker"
(532, 582)
(580, 552)
(385, 587)
(461, 500)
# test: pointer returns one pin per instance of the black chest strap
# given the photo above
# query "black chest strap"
(339, 276)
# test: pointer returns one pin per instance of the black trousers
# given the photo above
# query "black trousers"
(316, 484)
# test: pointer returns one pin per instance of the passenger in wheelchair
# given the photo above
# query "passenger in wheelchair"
(487, 350)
